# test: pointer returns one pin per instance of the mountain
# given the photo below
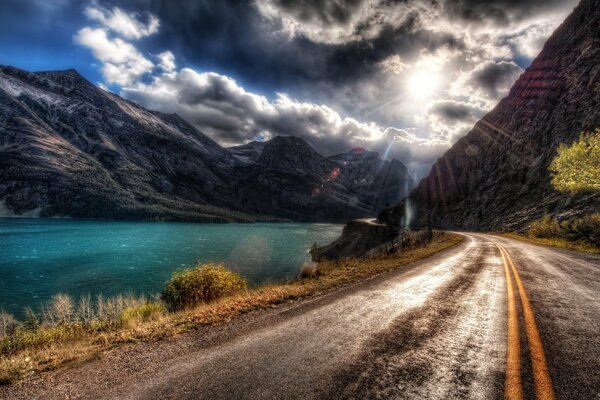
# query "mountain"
(496, 177)
(248, 153)
(381, 182)
(297, 181)
(69, 148)
(72, 149)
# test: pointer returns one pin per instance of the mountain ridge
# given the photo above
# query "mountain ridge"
(69, 148)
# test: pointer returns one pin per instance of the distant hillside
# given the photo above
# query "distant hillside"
(68, 148)
(296, 181)
(496, 177)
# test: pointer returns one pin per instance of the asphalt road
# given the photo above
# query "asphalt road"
(451, 326)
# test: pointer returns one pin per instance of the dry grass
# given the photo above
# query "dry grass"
(60, 343)
(560, 243)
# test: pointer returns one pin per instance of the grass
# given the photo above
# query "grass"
(580, 246)
(576, 233)
(71, 333)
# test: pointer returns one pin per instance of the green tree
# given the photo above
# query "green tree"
(577, 167)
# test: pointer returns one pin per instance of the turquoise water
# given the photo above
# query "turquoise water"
(41, 257)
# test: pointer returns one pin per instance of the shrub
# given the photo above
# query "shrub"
(32, 321)
(577, 167)
(142, 313)
(60, 310)
(586, 228)
(547, 227)
(8, 324)
(108, 310)
(85, 310)
(202, 283)
(308, 271)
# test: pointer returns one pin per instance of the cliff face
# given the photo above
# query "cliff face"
(497, 177)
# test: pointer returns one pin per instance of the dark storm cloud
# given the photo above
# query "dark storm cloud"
(338, 12)
(451, 111)
(495, 78)
(501, 11)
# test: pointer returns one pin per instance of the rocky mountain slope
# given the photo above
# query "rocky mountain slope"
(382, 183)
(68, 148)
(296, 180)
(496, 177)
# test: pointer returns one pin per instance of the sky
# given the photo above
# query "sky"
(404, 78)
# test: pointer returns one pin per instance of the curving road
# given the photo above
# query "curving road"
(446, 327)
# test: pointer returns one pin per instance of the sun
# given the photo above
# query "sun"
(422, 84)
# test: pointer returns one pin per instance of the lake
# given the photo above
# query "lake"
(41, 257)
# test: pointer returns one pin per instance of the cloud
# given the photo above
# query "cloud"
(319, 20)
(404, 78)
(166, 61)
(451, 111)
(495, 78)
(127, 25)
(123, 64)
(340, 21)
(451, 119)
(219, 106)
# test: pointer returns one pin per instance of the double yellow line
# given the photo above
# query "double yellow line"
(513, 388)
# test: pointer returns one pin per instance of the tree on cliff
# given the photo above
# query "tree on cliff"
(577, 167)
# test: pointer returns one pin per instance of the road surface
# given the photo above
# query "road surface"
(490, 318)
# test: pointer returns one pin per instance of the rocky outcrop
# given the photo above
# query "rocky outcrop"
(496, 177)
(68, 148)
(358, 237)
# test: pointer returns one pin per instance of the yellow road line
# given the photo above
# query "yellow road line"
(541, 375)
(513, 388)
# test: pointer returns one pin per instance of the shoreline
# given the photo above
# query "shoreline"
(80, 345)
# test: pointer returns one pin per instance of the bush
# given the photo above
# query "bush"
(142, 313)
(586, 228)
(108, 310)
(545, 228)
(308, 270)
(60, 310)
(577, 167)
(200, 284)
(8, 324)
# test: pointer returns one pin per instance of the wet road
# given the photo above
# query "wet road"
(443, 328)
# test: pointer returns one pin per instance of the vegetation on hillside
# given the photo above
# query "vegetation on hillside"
(576, 167)
(577, 233)
(68, 330)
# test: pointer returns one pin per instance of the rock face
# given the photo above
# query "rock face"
(68, 148)
(358, 237)
(497, 177)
